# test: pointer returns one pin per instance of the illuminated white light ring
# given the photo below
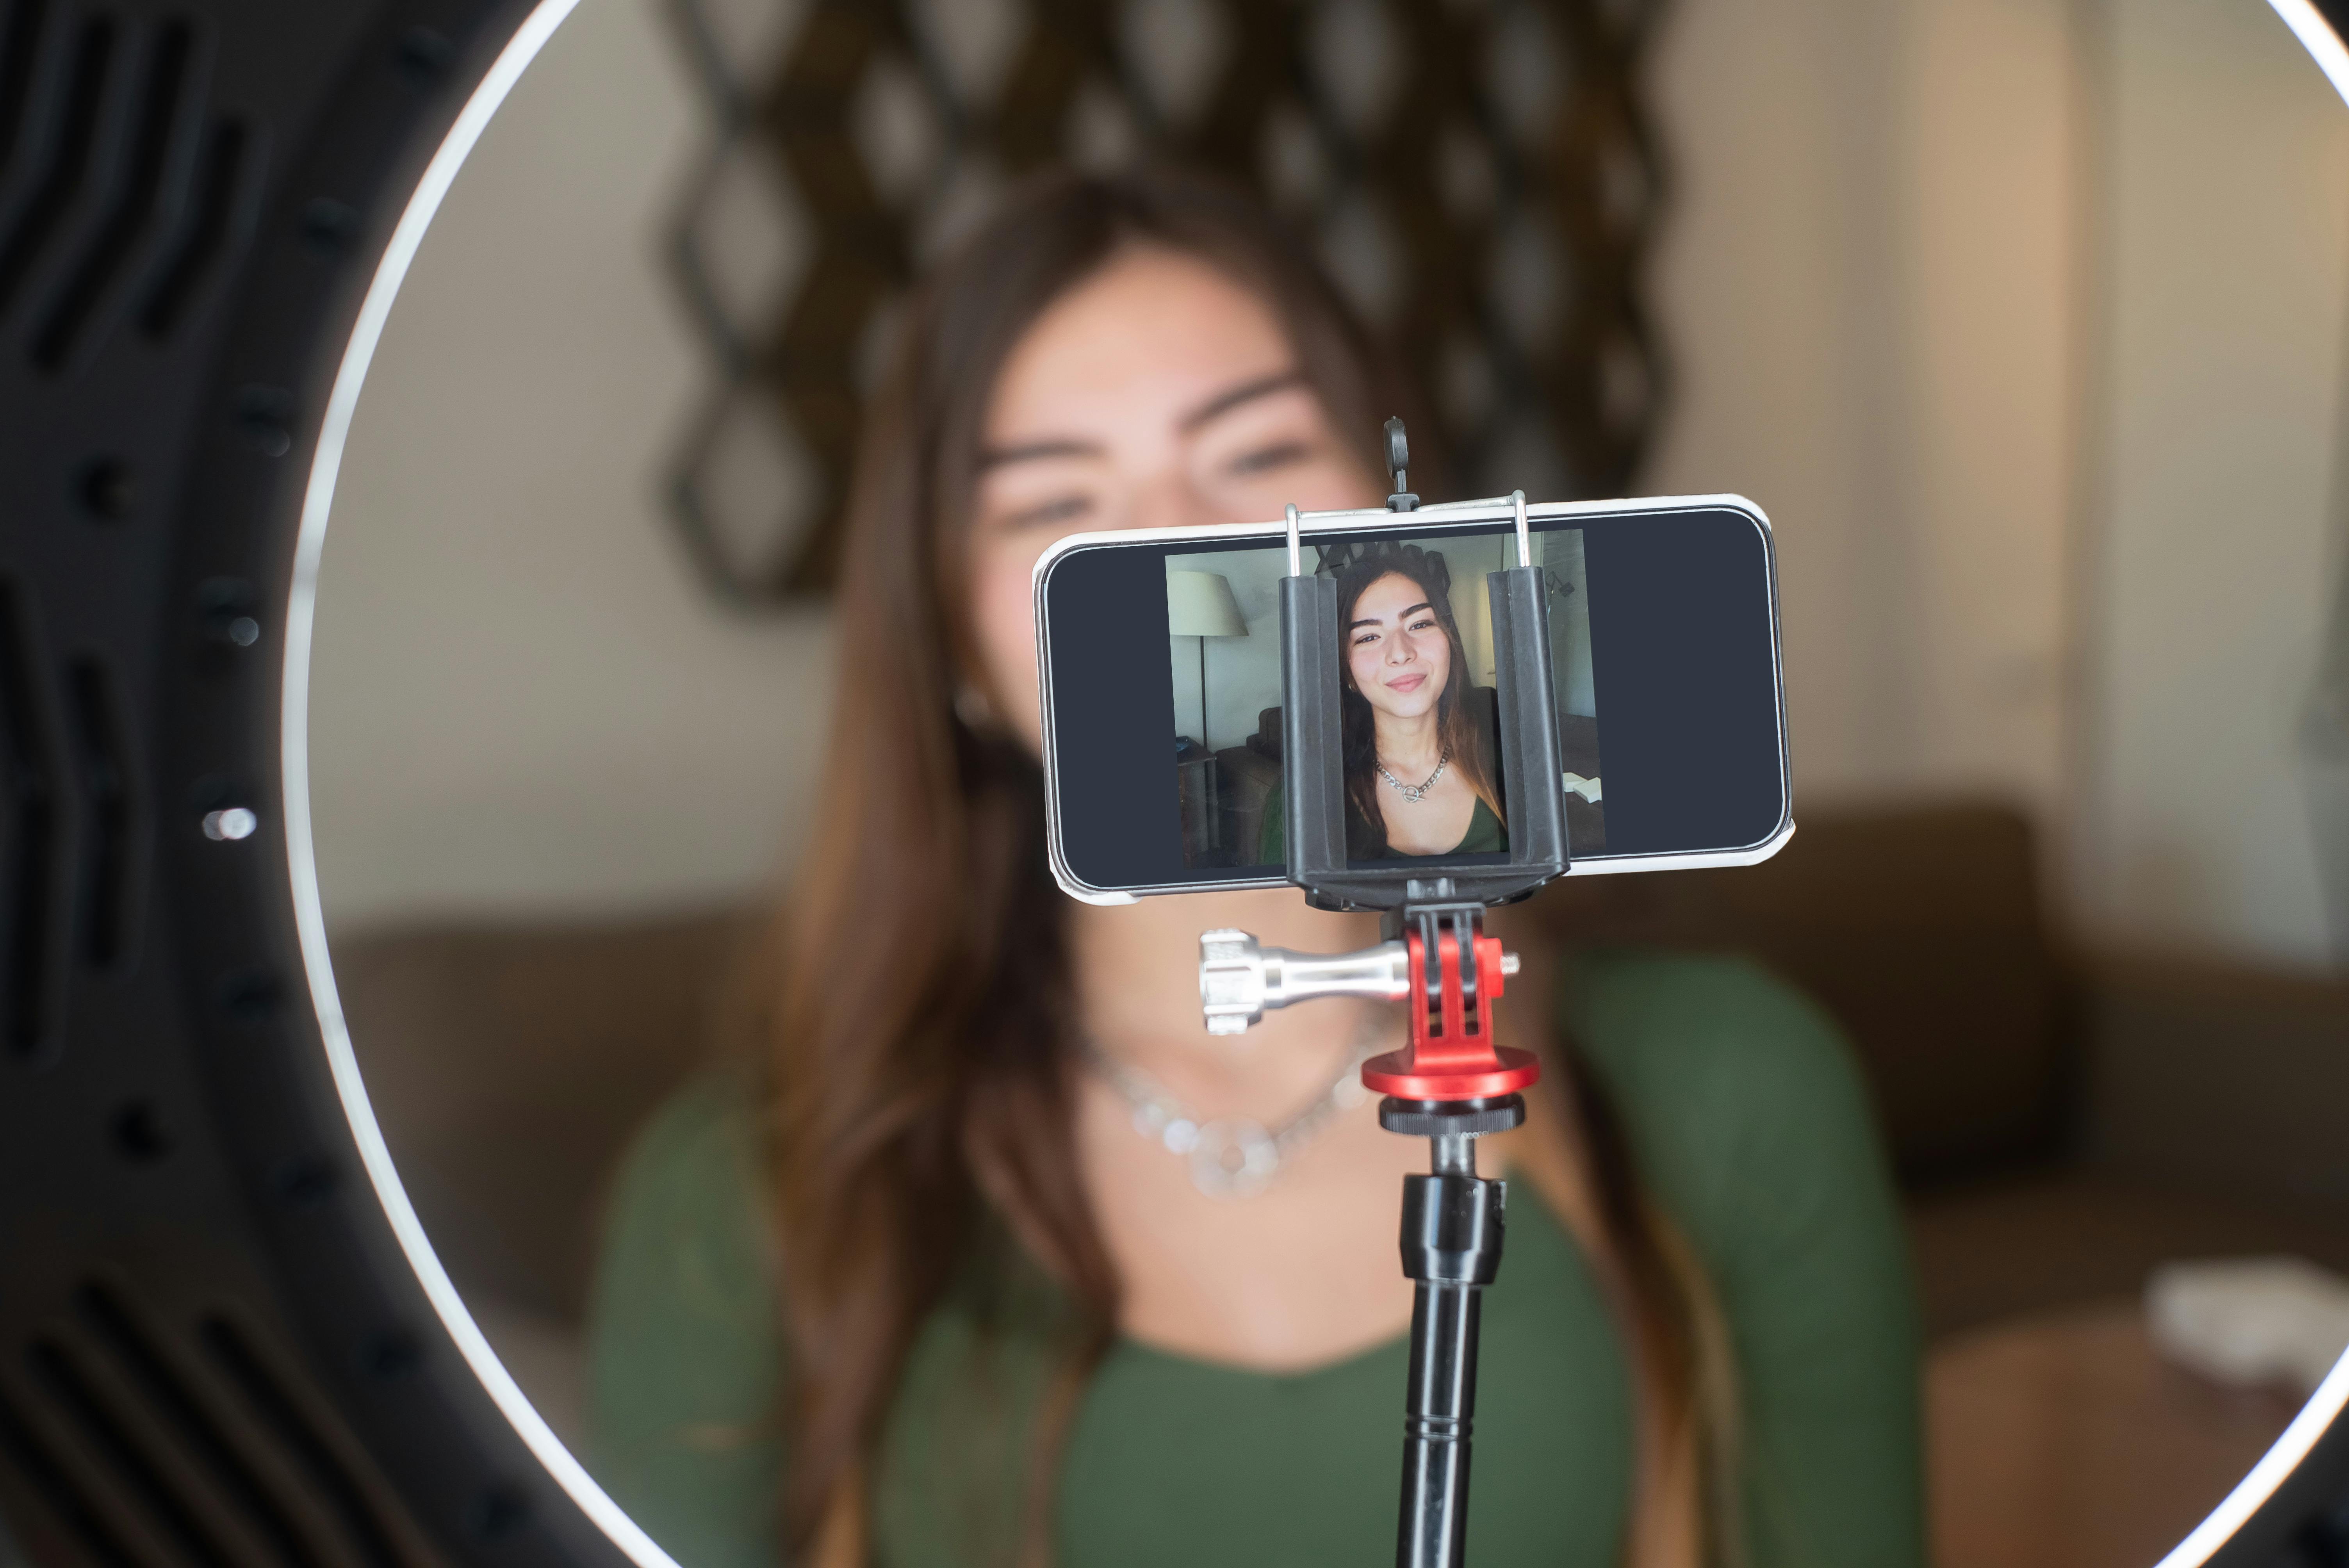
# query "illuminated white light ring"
(2316, 1416)
(294, 741)
(2317, 37)
(2325, 47)
(2267, 1475)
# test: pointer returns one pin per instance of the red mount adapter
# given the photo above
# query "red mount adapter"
(1452, 1056)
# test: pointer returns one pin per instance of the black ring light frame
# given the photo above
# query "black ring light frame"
(223, 1335)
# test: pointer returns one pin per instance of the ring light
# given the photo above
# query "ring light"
(2319, 36)
(224, 1335)
(310, 920)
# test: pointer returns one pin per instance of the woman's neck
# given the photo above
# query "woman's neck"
(1409, 745)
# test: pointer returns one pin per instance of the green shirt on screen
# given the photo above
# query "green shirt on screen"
(1486, 835)
(1751, 1128)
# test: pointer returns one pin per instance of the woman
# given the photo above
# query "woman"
(934, 1280)
(1419, 748)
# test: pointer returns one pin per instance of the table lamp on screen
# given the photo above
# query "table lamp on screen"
(1200, 605)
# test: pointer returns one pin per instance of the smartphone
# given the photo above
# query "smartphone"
(1160, 658)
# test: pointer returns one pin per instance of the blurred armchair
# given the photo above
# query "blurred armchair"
(1248, 774)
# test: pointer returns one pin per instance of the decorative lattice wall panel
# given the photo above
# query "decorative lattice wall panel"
(1479, 174)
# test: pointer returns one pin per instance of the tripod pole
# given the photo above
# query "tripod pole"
(1452, 1231)
(1452, 1085)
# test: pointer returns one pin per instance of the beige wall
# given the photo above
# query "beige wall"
(1866, 279)
(2213, 520)
(2022, 318)
(523, 699)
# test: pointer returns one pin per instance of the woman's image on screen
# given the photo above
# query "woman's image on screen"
(1421, 765)
(1419, 712)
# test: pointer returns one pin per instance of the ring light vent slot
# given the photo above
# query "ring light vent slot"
(299, 1429)
(110, 1429)
(108, 120)
(150, 1457)
(106, 862)
(133, 215)
(201, 1431)
(20, 39)
(65, 160)
(31, 971)
(36, 1460)
(205, 236)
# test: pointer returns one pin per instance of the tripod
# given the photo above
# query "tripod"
(1451, 1084)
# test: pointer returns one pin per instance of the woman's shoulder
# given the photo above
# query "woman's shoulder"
(686, 1241)
(1698, 1019)
(684, 1354)
(1739, 1092)
(1752, 1124)
(697, 1151)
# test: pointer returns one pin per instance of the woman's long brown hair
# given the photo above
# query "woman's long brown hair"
(916, 1009)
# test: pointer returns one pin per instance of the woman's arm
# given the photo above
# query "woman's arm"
(1752, 1127)
(683, 1352)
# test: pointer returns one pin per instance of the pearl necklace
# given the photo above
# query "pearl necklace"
(1235, 1156)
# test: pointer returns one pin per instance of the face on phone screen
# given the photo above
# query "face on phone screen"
(1418, 696)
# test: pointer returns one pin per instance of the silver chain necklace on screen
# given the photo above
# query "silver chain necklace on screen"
(1236, 1156)
(1415, 793)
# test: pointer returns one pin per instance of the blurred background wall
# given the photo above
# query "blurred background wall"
(2213, 509)
(1868, 279)
(2022, 318)
(524, 701)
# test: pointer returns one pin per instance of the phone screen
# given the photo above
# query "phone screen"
(1163, 693)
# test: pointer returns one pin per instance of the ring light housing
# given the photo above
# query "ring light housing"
(224, 1337)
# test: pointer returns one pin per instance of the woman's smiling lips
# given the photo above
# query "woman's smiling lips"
(1410, 683)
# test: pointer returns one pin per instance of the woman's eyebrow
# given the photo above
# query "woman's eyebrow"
(1059, 447)
(1246, 391)
(1407, 610)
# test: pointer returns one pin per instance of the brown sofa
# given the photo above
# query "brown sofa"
(509, 1067)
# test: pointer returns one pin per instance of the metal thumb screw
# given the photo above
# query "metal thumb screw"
(1231, 981)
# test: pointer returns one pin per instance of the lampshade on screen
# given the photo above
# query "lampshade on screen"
(1200, 605)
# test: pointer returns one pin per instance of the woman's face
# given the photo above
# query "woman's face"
(1396, 649)
(1157, 392)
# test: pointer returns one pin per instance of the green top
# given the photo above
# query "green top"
(1751, 1128)
(1485, 836)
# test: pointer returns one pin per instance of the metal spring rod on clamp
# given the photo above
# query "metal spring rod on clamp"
(1453, 1083)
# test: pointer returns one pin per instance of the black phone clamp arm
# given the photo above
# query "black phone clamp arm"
(1452, 1082)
